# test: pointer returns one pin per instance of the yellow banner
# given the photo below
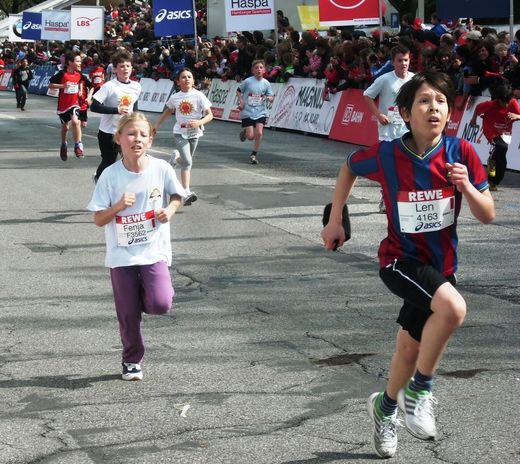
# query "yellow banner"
(310, 17)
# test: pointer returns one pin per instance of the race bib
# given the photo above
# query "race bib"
(97, 80)
(426, 210)
(189, 132)
(254, 99)
(71, 88)
(135, 229)
(394, 117)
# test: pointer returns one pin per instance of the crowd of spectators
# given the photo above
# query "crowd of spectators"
(475, 58)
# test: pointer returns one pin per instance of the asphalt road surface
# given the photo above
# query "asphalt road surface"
(273, 345)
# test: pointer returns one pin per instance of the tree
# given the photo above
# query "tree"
(403, 7)
(8, 7)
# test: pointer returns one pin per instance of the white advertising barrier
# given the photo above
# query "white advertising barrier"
(300, 106)
(87, 22)
(222, 95)
(479, 141)
(154, 94)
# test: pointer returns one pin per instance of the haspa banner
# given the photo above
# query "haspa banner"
(87, 22)
(249, 15)
(56, 25)
(348, 12)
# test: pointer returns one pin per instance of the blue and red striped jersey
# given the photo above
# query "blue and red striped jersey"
(422, 205)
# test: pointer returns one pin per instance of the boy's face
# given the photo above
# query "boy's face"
(401, 62)
(124, 70)
(75, 64)
(258, 70)
(429, 113)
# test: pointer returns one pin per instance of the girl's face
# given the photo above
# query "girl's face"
(185, 80)
(483, 53)
(76, 63)
(429, 113)
(135, 139)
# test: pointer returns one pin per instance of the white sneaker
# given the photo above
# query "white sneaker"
(419, 418)
(384, 438)
(132, 371)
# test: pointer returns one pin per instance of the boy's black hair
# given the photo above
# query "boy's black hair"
(437, 80)
(503, 93)
(398, 49)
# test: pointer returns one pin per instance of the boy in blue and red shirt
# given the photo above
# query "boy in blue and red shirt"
(424, 175)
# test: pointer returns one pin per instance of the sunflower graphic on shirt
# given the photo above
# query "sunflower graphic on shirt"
(185, 107)
(125, 100)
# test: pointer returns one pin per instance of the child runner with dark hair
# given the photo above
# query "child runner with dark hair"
(192, 110)
(252, 94)
(116, 97)
(22, 76)
(135, 200)
(424, 176)
(498, 116)
(70, 83)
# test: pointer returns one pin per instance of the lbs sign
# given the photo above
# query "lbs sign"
(173, 18)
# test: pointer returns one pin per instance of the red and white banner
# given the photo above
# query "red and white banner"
(55, 25)
(479, 141)
(348, 12)
(87, 22)
(354, 122)
(5, 77)
(249, 15)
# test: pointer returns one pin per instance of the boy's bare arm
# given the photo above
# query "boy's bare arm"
(333, 234)
(481, 204)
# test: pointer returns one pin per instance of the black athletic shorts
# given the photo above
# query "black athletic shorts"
(83, 116)
(248, 122)
(415, 283)
(67, 116)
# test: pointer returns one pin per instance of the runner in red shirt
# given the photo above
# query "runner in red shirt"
(498, 116)
(69, 82)
(97, 75)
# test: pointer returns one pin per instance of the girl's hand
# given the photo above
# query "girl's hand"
(123, 109)
(333, 236)
(163, 215)
(128, 199)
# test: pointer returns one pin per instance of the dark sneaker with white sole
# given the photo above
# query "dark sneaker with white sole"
(191, 198)
(132, 371)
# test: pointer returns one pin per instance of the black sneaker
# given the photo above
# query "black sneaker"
(253, 160)
(243, 135)
(191, 198)
(63, 152)
(132, 371)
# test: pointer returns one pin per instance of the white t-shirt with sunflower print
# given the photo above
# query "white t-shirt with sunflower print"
(187, 106)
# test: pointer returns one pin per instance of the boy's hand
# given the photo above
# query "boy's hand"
(333, 236)
(458, 176)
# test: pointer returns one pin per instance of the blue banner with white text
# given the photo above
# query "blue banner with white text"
(473, 8)
(31, 25)
(173, 18)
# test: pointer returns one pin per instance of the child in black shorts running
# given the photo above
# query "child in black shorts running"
(424, 176)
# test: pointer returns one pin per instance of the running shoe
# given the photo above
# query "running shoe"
(384, 438)
(191, 198)
(419, 418)
(493, 187)
(491, 168)
(63, 152)
(78, 150)
(253, 160)
(132, 371)
(243, 135)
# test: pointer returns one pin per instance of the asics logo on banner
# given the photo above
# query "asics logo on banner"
(347, 4)
(30, 25)
(169, 15)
